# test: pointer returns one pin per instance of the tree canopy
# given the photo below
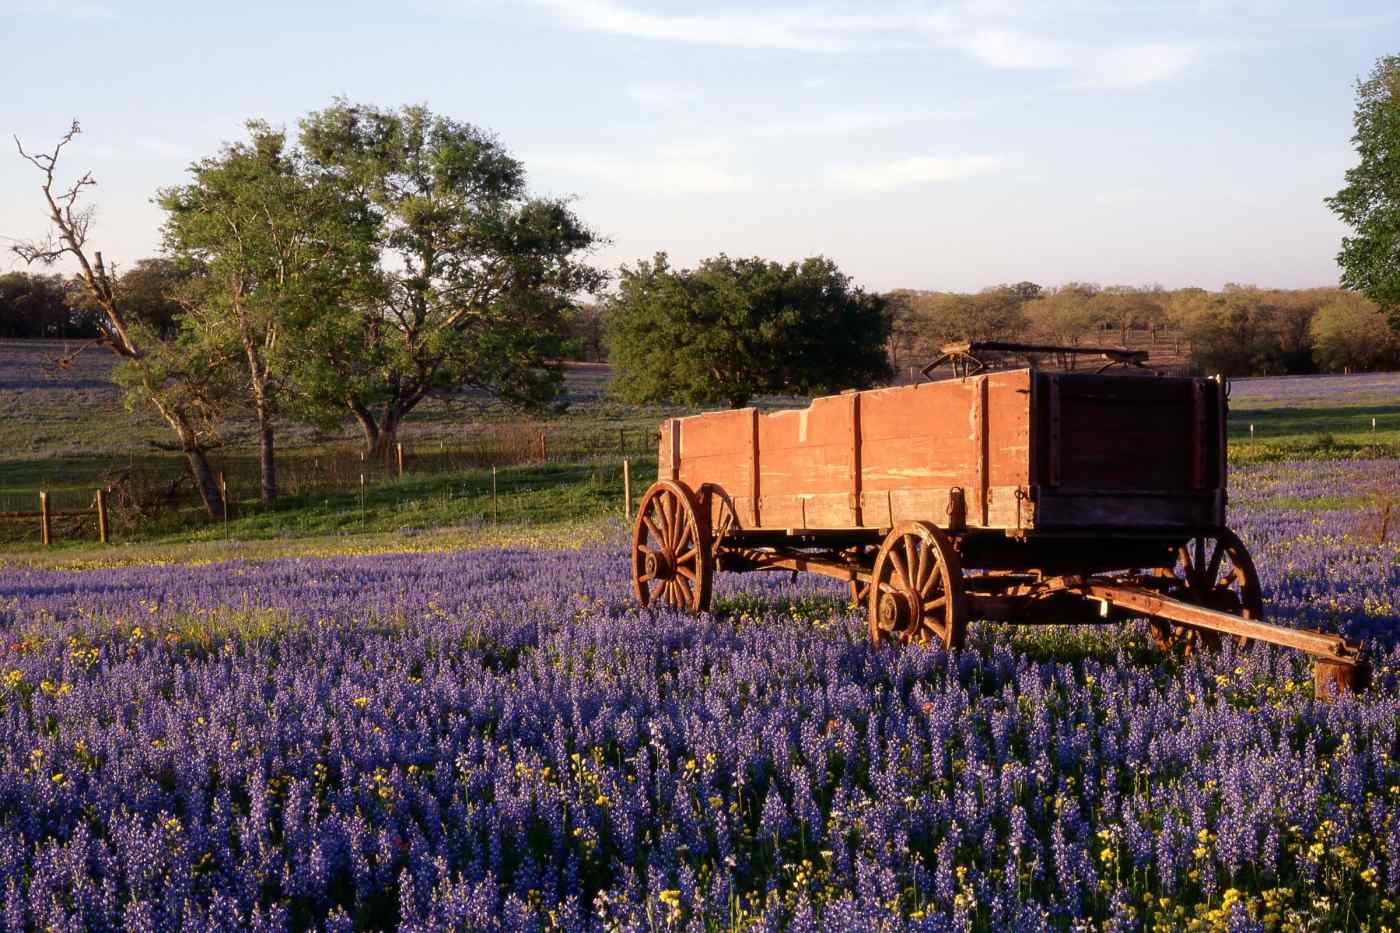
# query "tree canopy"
(1369, 203)
(731, 329)
(476, 278)
(277, 249)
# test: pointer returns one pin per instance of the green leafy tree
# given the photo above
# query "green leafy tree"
(1064, 316)
(731, 329)
(1369, 203)
(1351, 335)
(39, 306)
(278, 249)
(478, 277)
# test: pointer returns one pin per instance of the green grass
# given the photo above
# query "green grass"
(1316, 433)
(67, 433)
(535, 495)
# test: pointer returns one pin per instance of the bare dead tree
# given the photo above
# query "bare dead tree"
(70, 221)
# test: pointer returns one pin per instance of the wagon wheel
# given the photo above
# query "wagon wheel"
(671, 559)
(916, 589)
(1214, 571)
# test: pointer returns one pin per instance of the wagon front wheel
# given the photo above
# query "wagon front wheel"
(671, 559)
(916, 589)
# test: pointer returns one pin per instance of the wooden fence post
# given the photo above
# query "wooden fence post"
(223, 497)
(102, 516)
(495, 513)
(398, 453)
(626, 488)
(541, 445)
(44, 517)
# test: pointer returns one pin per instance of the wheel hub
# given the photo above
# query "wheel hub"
(896, 611)
(659, 565)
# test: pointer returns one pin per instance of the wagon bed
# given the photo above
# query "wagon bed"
(1023, 450)
(1019, 495)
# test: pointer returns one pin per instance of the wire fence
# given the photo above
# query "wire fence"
(161, 489)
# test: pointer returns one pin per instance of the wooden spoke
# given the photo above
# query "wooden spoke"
(1213, 568)
(897, 560)
(653, 532)
(921, 566)
(671, 559)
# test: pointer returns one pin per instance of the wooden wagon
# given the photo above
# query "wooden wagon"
(1020, 495)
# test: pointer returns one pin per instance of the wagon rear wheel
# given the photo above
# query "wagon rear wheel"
(916, 589)
(1214, 571)
(671, 559)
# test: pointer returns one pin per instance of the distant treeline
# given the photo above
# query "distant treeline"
(52, 307)
(1241, 330)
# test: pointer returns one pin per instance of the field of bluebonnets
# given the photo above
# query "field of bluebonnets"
(498, 738)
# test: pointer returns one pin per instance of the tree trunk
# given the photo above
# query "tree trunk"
(266, 465)
(383, 448)
(368, 424)
(204, 480)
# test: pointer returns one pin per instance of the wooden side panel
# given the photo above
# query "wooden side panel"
(805, 465)
(1008, 449)
(664, 466)
(1132, 452)
(717, 448)
(919, 437)
(1126, 433)
(1106, 510)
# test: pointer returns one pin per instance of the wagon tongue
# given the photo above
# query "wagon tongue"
(1338, 666)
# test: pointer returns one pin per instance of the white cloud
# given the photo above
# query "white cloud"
(661, 175)
(1006, 49)
(796, 30)
(664, 95)
(899, 173)
(1001, 36)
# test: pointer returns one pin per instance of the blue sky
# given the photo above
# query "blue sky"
(920, 145)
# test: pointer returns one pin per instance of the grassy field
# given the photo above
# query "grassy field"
(1315, 416)
(67, 431)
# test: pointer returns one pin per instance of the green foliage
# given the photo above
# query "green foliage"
(1064, 315)
(277, 249)
(41, 306)
(731, 329)
(1369, 203)
(476, 278)
(1351, 335)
